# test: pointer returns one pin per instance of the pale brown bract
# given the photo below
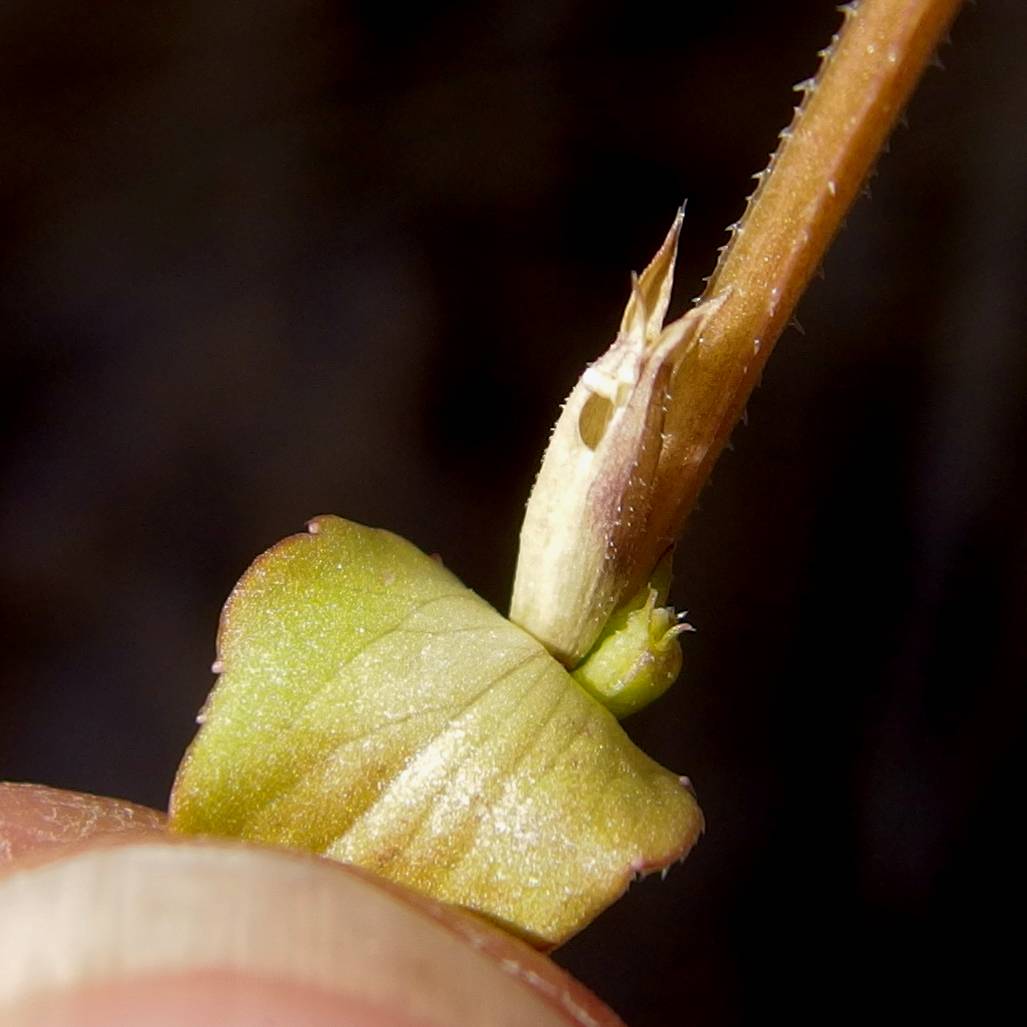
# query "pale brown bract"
(583, 542)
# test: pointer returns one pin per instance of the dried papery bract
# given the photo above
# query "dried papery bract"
(582, 549)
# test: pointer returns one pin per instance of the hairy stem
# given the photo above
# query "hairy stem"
(867, 75)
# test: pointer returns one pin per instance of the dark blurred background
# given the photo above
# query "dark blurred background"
(264, 261)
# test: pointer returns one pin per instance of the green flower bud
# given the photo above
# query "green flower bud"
(638, 656)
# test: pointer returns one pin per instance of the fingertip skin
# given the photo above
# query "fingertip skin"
(35, 819)
(113, 924)
(202, 998)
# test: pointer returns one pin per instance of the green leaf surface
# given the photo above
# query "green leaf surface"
(373, 709)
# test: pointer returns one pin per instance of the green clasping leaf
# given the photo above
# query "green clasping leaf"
(373, 709)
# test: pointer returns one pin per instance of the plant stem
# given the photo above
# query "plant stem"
(867, 75)
(643, 427)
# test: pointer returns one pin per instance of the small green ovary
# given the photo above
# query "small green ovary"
(638, 656)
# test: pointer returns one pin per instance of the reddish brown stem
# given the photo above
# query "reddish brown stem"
(868, 73)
